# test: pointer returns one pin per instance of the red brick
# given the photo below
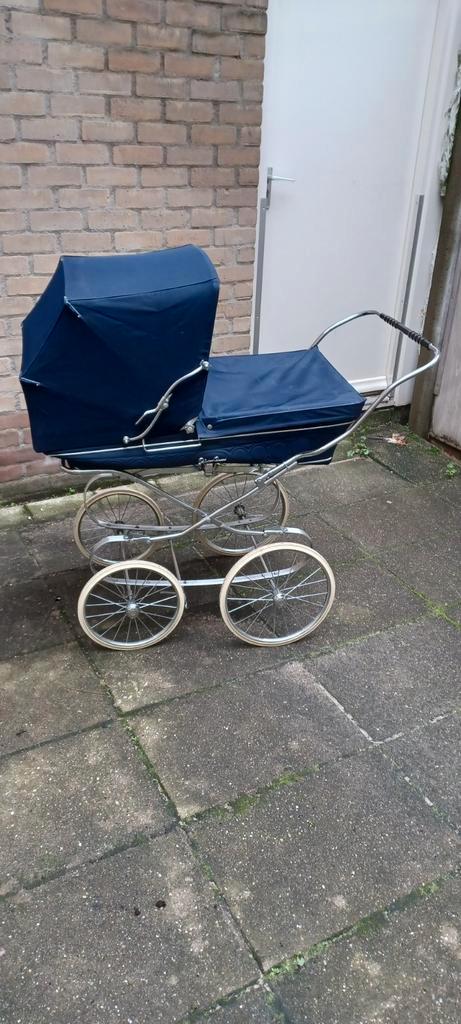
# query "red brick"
(252, 91)
(138, 240)
(55, 175)
(134, 60)
(159, 176)
(78, 106)
(189, 197)
(226, 92)
(134, 109)
(234, 236)
(5, 78)
(179, 65)
(244, 21)
(107, 82)
(107, 131)
(90, 7)
(161, 219)
(235, 156)
(8, 473)
(219, 44)
(85, 241)
(24, 153)
(17, 52)
(213, 134)
(247, 216)
(44, 79)
(139, 198)
(56, 220)
(192, 16)
(107, 220)
(139, 155)
(250, 135)
(7, 128)
(26, 285)
(14, 306)
(204, 218)
(187, 111)
(163, 88)
(10, 176)
(84, 198)
(244, 289)
(106, 33)
(248, 175)
(75, 55)
(9, 439)
(236, 197)
(162, 37)
(213, 176)
(81, 152)
(135, 10)
(249, 114)
(246, 69)
(14, 265)
(40, 26)
(230, 343)
(237, 273)
(246, 254)
(45, 264)
(236, 308)
(189, 155)
(22, 103)
(49, 128)
(11, 220)
(162, 133)
(25, 199)
(254, 46)
(111, 176)
(9, 457)
(188, 236)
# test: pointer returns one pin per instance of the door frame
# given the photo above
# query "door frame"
(424, 217)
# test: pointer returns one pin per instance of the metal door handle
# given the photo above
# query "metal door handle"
(270, 178)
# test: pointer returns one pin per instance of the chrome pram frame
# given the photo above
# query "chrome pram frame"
(278, 591)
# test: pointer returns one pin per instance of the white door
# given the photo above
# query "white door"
(349, 88)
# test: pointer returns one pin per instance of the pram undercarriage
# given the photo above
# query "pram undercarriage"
(278, 591)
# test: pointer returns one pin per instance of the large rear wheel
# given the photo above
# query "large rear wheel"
(266, 509)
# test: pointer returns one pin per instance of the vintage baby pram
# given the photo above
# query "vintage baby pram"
(118, 381)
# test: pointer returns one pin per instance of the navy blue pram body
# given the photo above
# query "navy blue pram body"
(111, 334)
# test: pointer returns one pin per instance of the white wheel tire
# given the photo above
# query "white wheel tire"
(205, 536)
(264, 549)
(122, 566)
(113, 491)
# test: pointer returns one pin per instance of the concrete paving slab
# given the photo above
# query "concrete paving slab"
(48, 693)
(386, 522)
(207, 749)
(16, 560)
(394, 681)
(432, 567)
(12, 516)
(52, 546)
(30, 618)
(311, 859)
(73, 800)
(454, 613)
(64, 506)
(330, 542)
(137, 937)
(343, 483)
(407, 971)
(251, 1007)
(417, 461)
(431, 758)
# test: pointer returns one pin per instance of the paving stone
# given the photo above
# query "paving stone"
(335, 547)
(394, 681)
(52, 546)
(200, 653)
(386, 522)
(432, 567)
(408, 971)
(138, 936)
(431, 758)
(416, 461)
(29, 618)
(312, 858)
(12, 516)
(16, 561)
(343, 483)
(48, 693)
(251, 1007)
(454, 612)
(73, 800)
(206, 748)
(64, 506)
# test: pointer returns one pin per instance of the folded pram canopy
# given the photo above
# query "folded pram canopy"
(107, 338)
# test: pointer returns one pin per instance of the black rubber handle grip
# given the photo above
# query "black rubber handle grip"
(406, 330)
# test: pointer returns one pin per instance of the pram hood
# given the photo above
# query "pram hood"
(108, 336)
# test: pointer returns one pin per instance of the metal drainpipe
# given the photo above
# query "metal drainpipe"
(444, 280)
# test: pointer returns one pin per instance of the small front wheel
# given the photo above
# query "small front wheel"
(266, 509)
(130, 605)
(277, 594)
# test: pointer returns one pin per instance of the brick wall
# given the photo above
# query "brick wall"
(124, 125)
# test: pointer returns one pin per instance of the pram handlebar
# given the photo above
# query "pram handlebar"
(283, 467)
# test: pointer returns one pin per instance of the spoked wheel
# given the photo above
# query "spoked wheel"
(267, 508)
(276, 594)
(130, 605)
(110, 514)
